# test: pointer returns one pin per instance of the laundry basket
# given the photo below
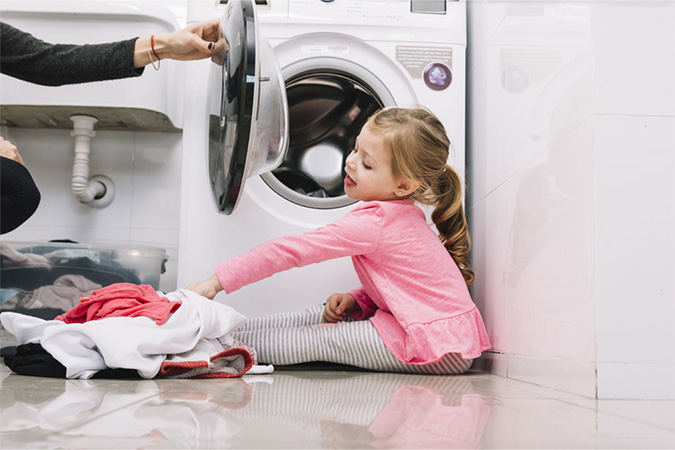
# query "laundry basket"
(30, 265)
(45, 279)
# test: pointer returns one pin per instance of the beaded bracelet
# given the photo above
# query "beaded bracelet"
(150, 52)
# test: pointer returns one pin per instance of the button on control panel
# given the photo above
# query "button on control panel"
(428, 6)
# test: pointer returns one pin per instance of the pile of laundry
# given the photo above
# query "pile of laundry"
(126, 330)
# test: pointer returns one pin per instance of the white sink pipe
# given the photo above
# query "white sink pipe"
(99, 190)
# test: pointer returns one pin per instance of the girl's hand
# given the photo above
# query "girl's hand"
(337, 307)
(207, 288)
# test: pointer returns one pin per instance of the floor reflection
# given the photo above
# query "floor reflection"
(283, 410)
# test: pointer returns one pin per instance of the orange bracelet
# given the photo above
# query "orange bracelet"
(152, 44)
(147, 47)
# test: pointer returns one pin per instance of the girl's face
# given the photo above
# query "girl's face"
(369, 176)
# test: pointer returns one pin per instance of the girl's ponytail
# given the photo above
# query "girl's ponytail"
(451, 222)
(419, 148)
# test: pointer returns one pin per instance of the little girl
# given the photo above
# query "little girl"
(414, 285)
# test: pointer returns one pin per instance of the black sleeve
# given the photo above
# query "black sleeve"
(25, 57)
(19, 196)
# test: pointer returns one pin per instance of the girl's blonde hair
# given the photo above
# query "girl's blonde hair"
(419, 149)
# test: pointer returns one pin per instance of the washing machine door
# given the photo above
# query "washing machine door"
(248, 110)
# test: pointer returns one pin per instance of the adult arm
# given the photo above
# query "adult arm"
(196, 41)
(30, 59)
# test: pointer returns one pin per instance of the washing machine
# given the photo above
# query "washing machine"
(267, 131)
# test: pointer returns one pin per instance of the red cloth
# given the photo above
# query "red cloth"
(232, 362)
(121, 300)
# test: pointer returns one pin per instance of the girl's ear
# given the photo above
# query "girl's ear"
(406, 187)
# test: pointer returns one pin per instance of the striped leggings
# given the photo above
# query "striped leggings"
(293, 338)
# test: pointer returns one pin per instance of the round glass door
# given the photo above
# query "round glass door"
(327, 109)
(334, 82)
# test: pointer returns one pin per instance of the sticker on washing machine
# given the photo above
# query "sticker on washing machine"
(432, 64)
(331, 49)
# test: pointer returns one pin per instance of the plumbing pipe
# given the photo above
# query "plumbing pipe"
(99, 190)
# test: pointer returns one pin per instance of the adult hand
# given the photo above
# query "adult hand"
(9, 150)
(337, 307)
(207, 288)
(196, 41)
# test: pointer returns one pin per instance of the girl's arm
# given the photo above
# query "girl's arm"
(355, 234)
(366, 304)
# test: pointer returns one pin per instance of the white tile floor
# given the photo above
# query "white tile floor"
(298, 409)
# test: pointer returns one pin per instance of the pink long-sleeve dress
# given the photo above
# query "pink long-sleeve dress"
(412, 290)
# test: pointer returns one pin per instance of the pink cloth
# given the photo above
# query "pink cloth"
(121, 300)
(412, 290)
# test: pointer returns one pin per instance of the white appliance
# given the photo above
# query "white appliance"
(339, 62)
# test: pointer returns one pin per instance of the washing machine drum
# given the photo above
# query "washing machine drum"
(248, 110)
(327, 111)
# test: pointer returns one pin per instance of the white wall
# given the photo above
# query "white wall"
(634, 144)
(571, 139)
